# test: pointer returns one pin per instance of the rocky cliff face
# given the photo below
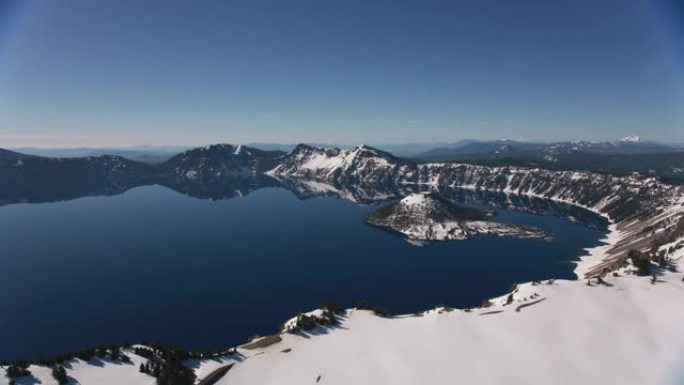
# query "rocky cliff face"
(621, 198)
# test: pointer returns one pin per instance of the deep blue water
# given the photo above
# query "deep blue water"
(155, 265)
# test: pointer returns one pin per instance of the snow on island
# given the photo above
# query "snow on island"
(427, 216)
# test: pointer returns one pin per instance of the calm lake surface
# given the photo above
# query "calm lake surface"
(155, 265)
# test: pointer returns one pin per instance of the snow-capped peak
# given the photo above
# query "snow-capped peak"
(326, 162)
(426, 203)
(632, 139)
(415, 199)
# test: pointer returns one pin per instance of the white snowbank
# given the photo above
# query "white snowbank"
(94, 372)
(627, 333)
(596, 254)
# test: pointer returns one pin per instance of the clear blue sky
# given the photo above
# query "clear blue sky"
(126, 72)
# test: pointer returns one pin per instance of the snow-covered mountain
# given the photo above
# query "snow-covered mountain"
(361, 163)
(429, 217)
(619, 197)
(631, 144)
(632, 139)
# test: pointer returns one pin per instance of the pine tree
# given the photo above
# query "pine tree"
(60, 375)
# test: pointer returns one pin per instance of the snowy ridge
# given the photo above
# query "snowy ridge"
(552, 332)
(631, 139)
(366, 166)
(95, 372)
(333, 163)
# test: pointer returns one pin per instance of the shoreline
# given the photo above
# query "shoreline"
(541, 299)
(587, 320)
(591, 256)
(427, 307)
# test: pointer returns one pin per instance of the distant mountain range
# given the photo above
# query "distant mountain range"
(147, 154)
(629, 154)
(506, 148)
(433, 151)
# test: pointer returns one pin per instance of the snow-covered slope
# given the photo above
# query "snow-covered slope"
(94, 372)
(627, 331)
(429, 217)
(361, 163)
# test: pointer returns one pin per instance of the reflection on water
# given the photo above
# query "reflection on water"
(227, 188)
(151, 264)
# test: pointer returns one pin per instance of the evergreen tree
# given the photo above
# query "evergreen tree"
(114, 353)
(60, 375)
(18, 368)
(641, 261)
